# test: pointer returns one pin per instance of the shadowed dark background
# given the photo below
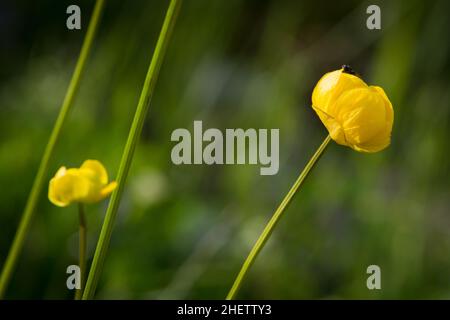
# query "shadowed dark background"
(184, 231)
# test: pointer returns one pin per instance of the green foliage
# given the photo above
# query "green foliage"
(184, 231)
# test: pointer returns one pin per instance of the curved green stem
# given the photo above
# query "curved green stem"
(40, 179)
(81, 249)
(127, 156)
(274, 220)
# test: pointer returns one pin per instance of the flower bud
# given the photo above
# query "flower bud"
(86, 184)
(355, 114)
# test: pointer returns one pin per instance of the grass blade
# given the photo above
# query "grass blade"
(265, 235)
(127, 156)
(40, 179)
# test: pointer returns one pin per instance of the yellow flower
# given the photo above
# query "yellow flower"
(355, 114)
(86, 184)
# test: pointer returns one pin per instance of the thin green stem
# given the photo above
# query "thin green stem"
(127, 156)
(274, 220)
(40, 179)
(81, 249)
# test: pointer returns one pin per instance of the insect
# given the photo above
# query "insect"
(347, 69)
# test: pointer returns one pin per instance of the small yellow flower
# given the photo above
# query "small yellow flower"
(86, 184)
(355, 114)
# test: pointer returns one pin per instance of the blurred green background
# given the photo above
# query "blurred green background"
(184, 231)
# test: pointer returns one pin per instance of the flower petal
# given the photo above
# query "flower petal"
(334, 128)
(67, 188)
(106, 191)
(331, 86)
(95, 171)
(361, 112)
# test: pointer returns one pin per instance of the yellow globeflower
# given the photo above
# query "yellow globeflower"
(86, 184)
(355, 114)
